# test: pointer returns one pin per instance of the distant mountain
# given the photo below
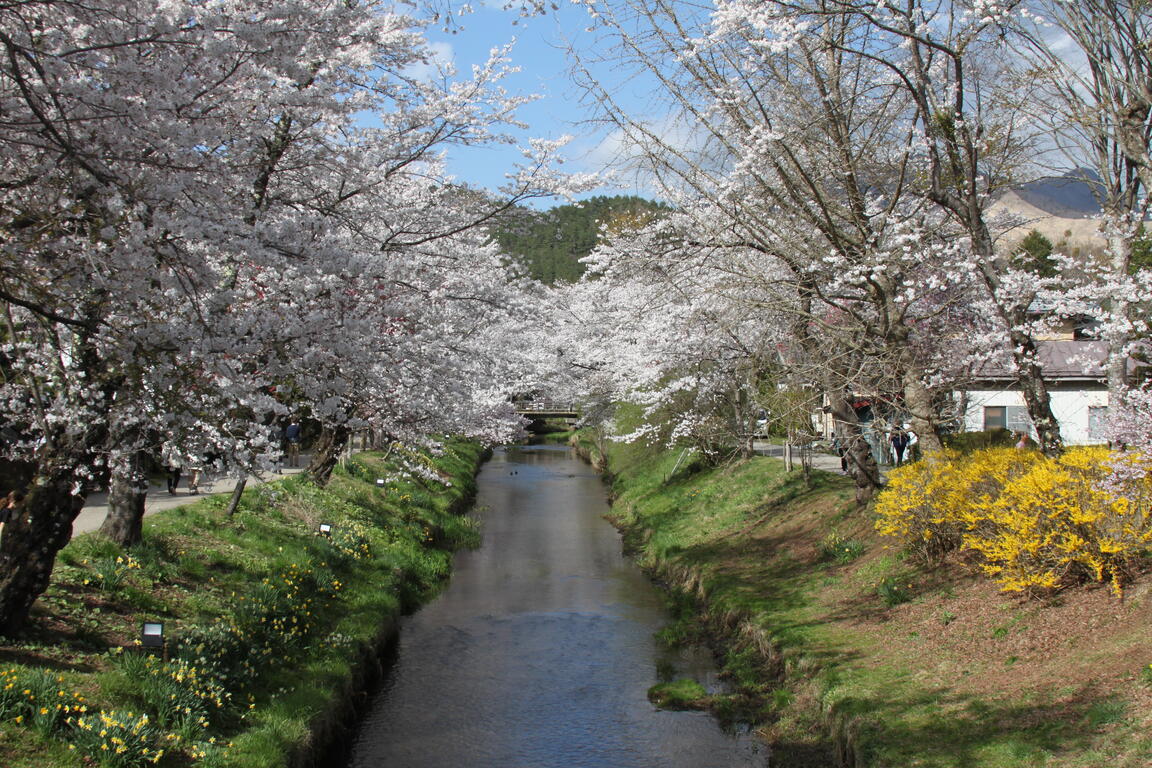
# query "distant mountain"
(549, 244)
(1066, 197)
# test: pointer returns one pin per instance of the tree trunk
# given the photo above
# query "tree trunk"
(806, 464)
(1029, 372)
(237, 493)
(127, 492)
(745, 425)
(38, 529)
(861, 464)
(326, 452)
(1117, 336)
(957, 181)
(42, 525)
(1035, 392)
(922, 414)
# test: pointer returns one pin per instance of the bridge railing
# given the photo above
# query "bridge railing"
(545, 406)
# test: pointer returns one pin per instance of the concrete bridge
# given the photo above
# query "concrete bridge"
(540, 410)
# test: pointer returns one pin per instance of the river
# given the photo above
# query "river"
(540, 651)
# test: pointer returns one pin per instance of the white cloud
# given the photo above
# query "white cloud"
(441, 60)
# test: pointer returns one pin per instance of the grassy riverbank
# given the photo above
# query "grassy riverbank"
(852, 656)
(274, 627)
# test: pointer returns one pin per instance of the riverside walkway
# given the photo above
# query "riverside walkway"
(829, 462)
(826, 461)
(158, 498)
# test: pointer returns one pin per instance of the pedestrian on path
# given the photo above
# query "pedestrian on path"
(172, 468)
(195, 468)
(292, 436)
(276, 449)
(899, 444)
(10, 506)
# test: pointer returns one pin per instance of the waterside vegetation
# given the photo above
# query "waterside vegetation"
(848, 651)
(273, 619)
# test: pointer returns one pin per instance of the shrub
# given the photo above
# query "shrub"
(219, 647)
(1035, 523)
(111, 573)
(892, 591)
(350, 541)
(37, 698)
(926, 504)
(1057, 524)
(968, 442)
(907, 508)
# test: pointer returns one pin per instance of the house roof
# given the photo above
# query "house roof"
(1080, 359)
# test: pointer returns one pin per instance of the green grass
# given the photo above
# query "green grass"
(796, 583)
(679, 695)
(259, 603)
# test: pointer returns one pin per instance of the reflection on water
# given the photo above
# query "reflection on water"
(539, 653)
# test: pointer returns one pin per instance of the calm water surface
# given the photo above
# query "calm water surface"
(540, 651)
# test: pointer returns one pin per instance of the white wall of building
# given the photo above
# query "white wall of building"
(1071, 405)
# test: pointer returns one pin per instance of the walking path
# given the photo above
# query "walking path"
(828, 462)
(825, 461)
(158, 498)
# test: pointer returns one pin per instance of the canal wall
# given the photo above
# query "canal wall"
(331, 730)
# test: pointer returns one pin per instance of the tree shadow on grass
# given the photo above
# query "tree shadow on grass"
(930, 728)
(803, 755)
(868, 606)
(756, 574)
(52, 641)
(945, 729)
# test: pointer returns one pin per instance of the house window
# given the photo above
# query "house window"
(1011, 417)
(1098, 422)
(1018, 420)
(995, 417)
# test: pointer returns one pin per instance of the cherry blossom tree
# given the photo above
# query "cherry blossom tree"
(193, 194)
(787, 137)
(1093, 67)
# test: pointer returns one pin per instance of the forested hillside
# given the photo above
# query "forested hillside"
(551, 243)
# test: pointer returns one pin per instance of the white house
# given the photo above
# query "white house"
(1077, 387)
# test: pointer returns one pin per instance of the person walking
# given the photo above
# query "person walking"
(9, 507)
(276, 448)
(292, 436)
(173, 468)
(195, 468)
(899, 443)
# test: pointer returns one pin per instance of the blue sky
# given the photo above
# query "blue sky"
(539, 52)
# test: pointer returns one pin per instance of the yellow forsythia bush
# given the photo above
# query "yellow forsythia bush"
(1035, 523)
(924, 503)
